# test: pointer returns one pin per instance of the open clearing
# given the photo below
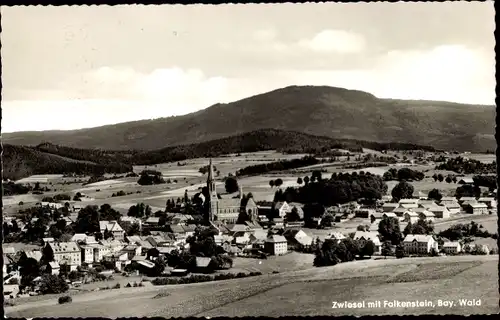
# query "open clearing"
(307, 292)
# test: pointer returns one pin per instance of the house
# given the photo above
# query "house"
(364, 236)
(219, 227)
(67, 253)
(451, 204)
(389, 207)
(253, 225)
(87, 254)
(279, 222)
(440, 212)
(451, 247)
(131, 250)
(337, 236)
(376, 216)
(425, 214)
(54, 268)
(120, 259)
(251, 209)
(152, 222)
(297, 238)
(113, 245)
(178, 231)
(389, 215)
(79, 237)
(281, 208)
(477, 208)
(35, 254)
(426, 204)
(419, 243)
(115, 229)
(10, 291)
(467, 199)
(202, 264)
(258, 238)
(99, 251)
(276, 245)
(8, 250)
(408, 205)
(409, 201)
(411, 216)
(400, 212)
(465, 180)
(489, 201)
(365, 213)
(221, 239)
(47, 240)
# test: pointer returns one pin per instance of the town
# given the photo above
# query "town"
(70, 246)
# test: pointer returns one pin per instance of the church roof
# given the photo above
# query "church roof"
(229, 203)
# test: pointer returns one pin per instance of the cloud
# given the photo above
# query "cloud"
(338, 41)
(265, 35)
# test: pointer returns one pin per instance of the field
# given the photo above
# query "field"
(306, 292)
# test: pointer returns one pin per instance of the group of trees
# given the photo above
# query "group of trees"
(406, 174)
(332, 252)
(468, 166)
(340, 188)
(11, 189)
(278, 182)
(204, 169)
(149, 177)
(449, 178)
(278, 166)
(460, 231)
(402, 190)
(140, 210)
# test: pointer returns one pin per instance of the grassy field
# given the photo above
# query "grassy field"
(307, 292)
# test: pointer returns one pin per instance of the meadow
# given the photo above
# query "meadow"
(306, 292)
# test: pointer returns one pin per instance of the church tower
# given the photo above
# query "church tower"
(213, 193)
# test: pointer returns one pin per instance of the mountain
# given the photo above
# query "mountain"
(319, 110)
(47, 158)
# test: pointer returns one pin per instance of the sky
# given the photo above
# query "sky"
(73, 67)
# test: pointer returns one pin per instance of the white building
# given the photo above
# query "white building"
(419, 243)
(364, 236)
(452, 247)
(67, 253)
(276, 245)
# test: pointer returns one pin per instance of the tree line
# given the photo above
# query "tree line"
(278, 166)
(468, 166)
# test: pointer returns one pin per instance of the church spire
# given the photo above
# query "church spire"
(210, 172)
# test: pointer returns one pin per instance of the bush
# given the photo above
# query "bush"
(117, 286)
(65, 299)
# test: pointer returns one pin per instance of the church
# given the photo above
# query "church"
(227, 210)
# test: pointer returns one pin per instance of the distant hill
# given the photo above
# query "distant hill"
(319, 110)
(47, 158)
(20, 162)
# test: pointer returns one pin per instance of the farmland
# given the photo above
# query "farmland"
(307, 292)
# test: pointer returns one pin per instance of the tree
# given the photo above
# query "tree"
(153, 252)
(28, 269)
(292, 215)
(435, 177)
(386, 249)
(435, 194)
(440, 177)
(299, 181)
(389, 230)
(448, 179)
(402, 190)
(231, 185)
(327, 221)
(400, 251)
(52, 284)
(368, 249)
(278, 182)
(306, 180)
(271, 183)
(47, 254)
